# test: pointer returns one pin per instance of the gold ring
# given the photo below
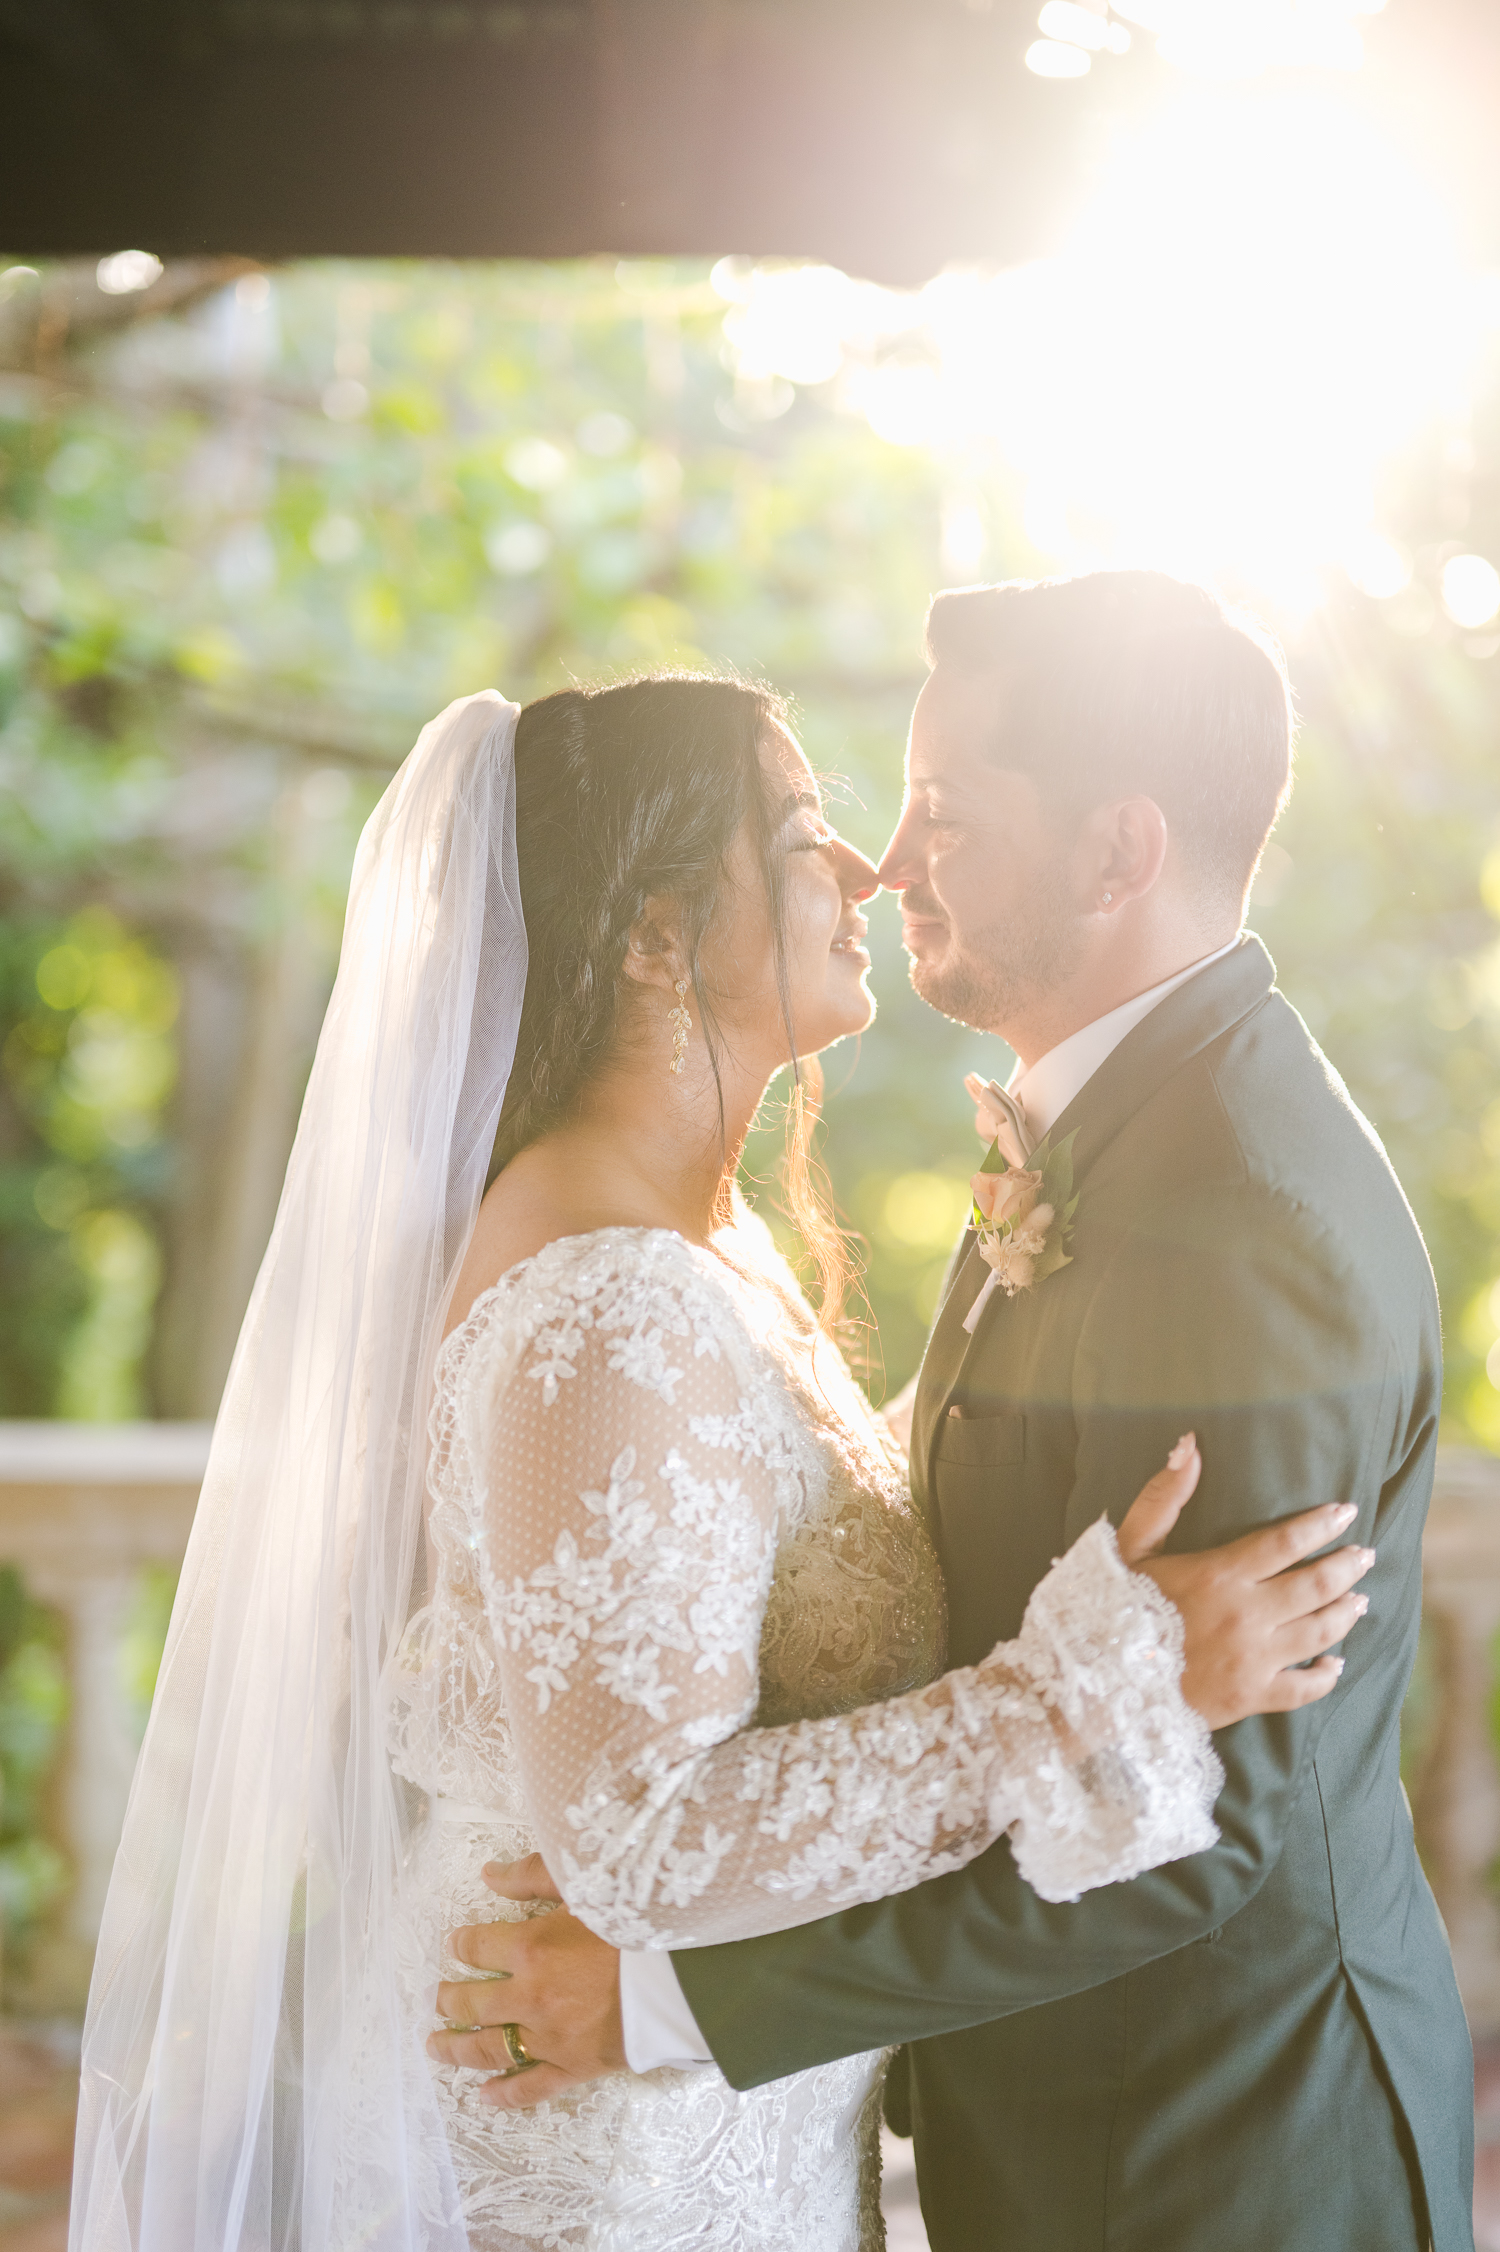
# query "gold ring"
(521, 2059)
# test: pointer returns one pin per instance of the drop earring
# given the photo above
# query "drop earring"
(682, 1025)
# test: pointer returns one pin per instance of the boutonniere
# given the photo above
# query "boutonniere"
(1023, 1217)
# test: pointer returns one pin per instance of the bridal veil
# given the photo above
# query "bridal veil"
(248, 2082)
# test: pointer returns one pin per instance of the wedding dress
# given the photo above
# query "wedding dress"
(673, 1559)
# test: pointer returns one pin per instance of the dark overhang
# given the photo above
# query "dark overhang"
(890, 137)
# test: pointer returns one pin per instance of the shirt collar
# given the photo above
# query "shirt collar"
(1045, 1090)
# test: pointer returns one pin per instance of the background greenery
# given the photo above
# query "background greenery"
(33, 1708)
(249, 545)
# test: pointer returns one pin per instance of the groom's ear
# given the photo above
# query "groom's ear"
(1123, 852)
(654, 954)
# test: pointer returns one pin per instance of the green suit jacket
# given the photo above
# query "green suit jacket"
(1261, 2048)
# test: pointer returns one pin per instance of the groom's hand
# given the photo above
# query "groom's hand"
(549, 1977)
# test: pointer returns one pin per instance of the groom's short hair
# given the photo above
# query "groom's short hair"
(1132, 683)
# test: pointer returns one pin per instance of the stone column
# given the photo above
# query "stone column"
(83, 1507)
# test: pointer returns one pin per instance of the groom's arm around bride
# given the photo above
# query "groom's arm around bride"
(1260, 2049)
(1261, 2046)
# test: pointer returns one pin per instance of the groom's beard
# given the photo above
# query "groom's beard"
(996, 974)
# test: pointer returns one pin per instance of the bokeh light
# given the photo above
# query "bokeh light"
(1066, 20)
(1262, 305)
(1054, 58)
(126, 271)
(1244, 38)
(1471, 590)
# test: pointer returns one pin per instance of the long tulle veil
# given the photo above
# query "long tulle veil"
(249, 2082)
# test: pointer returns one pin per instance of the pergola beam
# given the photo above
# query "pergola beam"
(888, 136)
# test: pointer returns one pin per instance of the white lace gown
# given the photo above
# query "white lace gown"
(681, 1637)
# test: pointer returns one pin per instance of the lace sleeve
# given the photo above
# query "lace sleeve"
(635, 1484)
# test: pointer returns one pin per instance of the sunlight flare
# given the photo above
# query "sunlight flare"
(1261, 306)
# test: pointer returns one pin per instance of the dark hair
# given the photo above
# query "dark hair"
(1126, 682)
(626, 792)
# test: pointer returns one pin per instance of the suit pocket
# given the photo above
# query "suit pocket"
(982, 1442)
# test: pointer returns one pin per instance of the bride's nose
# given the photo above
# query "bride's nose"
(858, 878)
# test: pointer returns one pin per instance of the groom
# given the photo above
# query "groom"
(1260, 2049)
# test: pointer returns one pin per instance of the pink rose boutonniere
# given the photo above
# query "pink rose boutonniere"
(1023, 1216)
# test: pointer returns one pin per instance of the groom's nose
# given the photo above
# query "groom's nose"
(900, 864)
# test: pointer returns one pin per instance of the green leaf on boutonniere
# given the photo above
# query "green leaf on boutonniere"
(1056, 1169)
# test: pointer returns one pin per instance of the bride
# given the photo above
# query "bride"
(647, 1594)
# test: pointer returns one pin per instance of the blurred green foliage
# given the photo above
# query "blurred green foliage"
(1379, 901)
(33, 1709)
(273, 532)
(144, 1640)
(88, 1064)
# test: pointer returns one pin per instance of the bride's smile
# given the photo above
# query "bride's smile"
(785, 964)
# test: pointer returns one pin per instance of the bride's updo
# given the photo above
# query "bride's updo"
(622, 793)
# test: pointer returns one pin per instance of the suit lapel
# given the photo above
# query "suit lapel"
(943, 1361)
(1179, 1028)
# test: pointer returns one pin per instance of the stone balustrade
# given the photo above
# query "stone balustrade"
(84, 1507)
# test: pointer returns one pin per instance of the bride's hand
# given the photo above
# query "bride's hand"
(1250, 1619)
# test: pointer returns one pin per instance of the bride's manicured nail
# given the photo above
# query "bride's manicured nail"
(1345, 1513)
(1182, 1452)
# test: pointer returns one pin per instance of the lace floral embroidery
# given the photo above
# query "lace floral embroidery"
(693, 1581)
(647, 1316)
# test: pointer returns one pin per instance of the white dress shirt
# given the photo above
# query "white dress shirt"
(1045, 1089)
(659, 2027)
